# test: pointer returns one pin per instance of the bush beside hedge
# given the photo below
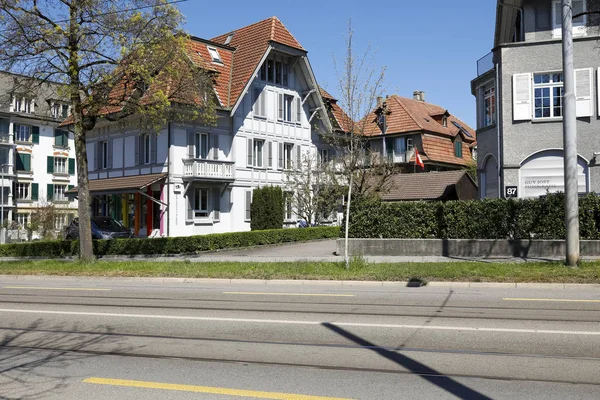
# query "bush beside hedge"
(541, 218)
(174, 245)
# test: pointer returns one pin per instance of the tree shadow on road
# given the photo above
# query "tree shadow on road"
(33, 361)
(429, 374)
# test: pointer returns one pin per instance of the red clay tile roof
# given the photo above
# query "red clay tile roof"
(421, 186)
(134, 182)
(251, 43)
(339, 116)
(440, 149)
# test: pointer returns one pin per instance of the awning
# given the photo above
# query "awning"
(125, 184)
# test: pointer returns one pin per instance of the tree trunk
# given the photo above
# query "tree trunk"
(86, 249)
(348, 223)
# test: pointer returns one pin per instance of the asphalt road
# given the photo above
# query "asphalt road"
(64, 338)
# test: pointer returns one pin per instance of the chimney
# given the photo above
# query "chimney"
(419, 95)
(379, 101)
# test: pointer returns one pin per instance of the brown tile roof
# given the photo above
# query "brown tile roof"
(440, 149)
(339, 116)
(135, 182)
(421, 186)
(251, 43)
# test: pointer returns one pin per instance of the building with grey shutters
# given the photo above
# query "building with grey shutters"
(519, 88)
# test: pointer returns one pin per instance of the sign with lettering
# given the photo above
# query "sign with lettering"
(544, 173)
(510, 191)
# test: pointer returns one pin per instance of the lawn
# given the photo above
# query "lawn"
(588, 272)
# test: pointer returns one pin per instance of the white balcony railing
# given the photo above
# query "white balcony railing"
(209, 169)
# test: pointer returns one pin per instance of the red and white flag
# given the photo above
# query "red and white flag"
(418, 159)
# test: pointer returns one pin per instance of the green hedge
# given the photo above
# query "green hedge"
(266, 210)
(175, 245)
(541, 218)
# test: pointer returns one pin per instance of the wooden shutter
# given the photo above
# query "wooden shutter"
(522, 94)
(109, 159)
(71, 166)
(583, 92)
(49, 191)
(298, 156)
(280, 156)
(299, 110)
(35, 134)
(27, 161)
(50, 165)
(249, 152)
(216, 204)
(270, 154)
(280, 106)
(35, 191)
(215, 144)
(20, 162)
(154, 148)
(58, 138)
(191, 144)
(263, 103)
(95, 151)
(248, 203)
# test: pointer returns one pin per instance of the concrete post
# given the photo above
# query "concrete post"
(570, 138)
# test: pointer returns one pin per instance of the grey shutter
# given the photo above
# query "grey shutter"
(142, 158)
(137, 150)
(249, 152)
(248, 204)
(154, 149)
(190, 205)
(215, 144)
(257, 106)
(191, 145)
(280, 156)
(216, 204)
(263, 103)
(583, 92)
(100, 149)
(298, 156)
(280, 106)
(299, 110)
(270, 153)
(110, 154)
(95, 150)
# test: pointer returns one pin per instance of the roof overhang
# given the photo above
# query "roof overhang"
(506, 17)
(121, 185)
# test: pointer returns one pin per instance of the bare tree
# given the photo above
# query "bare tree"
(117, 58)
(360, 170)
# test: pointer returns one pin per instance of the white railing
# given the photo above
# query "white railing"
(208, 169)
(5, 138)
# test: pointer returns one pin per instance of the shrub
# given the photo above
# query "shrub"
(175, 245)
(541, 218)
(266, 210)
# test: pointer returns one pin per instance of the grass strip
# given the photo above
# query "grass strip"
(588, 272)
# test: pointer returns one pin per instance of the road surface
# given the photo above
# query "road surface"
(67, 338)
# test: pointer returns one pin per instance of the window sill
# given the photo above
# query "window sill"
(542, 120)
(263, 117)
(23, 142)
(60, 147)
(25, 172)
(61, 201)
(29, 201)
(61, 175)
(203, 221)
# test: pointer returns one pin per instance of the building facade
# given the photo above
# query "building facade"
(191, 179)
(36, 157)
(519, 91)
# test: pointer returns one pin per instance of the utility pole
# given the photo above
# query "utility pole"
(570, 138)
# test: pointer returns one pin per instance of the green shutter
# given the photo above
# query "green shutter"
(35, 134)
(20, 162)
(58, 138)
(71, 166)
(34, 191)
(50, 166)
(50, 191)
(27, 162)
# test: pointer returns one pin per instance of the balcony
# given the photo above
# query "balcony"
(5, 138)
(402, 157)
(485, 64)
(209, 170)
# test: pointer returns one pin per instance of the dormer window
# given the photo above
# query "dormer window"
(445, 122)
(214, 54)
(59, 110)
(275, 72)
(458, 148)
(23, 104)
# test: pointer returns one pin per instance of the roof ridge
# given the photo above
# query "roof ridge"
(397, 98)
(273, 20)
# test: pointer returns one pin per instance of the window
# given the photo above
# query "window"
(548, 94)
(60, 165)
(61, 138)
(214, 54)
(489, 107)
(397, 148)
(248, 205)
(579, 6)
(275, 72)
(288, 156)
(4, 159)
(288, 210)
(286, 107)
(22, 220)
(23, 133)
(60, 221)
(324, 155)
(285, 74)
(278, 72)
(23, 162)
(24, 105)
(200, 203)
(147, 145)
(260, 103)
(458, 148)
(103, 155)
(59, 193)
(257, 153)
(22, 191)
(202, 145)
(445, 122)
(64, 111)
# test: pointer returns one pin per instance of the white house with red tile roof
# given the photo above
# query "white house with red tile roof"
(192, 179)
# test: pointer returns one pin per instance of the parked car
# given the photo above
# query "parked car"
(102, 228)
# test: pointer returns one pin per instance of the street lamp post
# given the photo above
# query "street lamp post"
(2, 232)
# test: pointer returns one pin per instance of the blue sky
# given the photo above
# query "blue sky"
(425, 45)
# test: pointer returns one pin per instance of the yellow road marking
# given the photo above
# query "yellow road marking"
(553, 300)
(49, 288)
(206, 389)
(293, 294)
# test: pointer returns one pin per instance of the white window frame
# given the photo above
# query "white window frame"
(551, 85)
(200, 139)
(201, 211)
(488, 107)
(579, 27)
(247, 205)
(59, 110)
(103, 161)
(23, 191)
(22, 219)
(258, 148)
(214, 55)
(288, 156)
(59, 193)
(147, 150)
(23, 133)
(288, 210)
(324, 156)
(24, 105)
(61, 165)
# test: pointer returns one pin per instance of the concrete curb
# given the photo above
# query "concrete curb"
(480, 285)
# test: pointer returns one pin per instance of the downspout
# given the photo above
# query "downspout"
(168, 179)
(498, 123)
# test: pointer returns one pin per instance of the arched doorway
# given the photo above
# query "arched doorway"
(543, 172)
(489, 178)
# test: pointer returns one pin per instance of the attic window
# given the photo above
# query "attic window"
(214, 54)
(445, 122)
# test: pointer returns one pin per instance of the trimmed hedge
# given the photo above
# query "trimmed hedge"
(174, 245)
(541, 218)
(266, 210)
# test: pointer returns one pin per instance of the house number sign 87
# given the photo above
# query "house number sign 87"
(510, 191)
